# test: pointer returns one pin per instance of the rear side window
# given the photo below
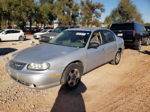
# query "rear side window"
(16, 31)
(107, 36)
(124, 26)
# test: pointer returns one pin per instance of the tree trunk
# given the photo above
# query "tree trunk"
(30, 25)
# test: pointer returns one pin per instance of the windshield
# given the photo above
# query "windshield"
(45, 30)
(125, 26)
(71, 38)
(1, 31)
(59, 29)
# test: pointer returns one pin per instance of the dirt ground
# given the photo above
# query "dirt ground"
(109, 88)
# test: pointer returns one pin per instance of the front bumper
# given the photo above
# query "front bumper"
(35, 79)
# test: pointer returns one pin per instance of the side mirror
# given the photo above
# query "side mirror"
(93, 45)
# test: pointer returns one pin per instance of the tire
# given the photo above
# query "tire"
(0, 40)
(72, 76)
(21, 38)
(117, 58)
(137, 45)
(147, 42)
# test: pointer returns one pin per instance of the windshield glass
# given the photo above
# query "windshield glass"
(59, 29)
(71, 38)
(45, 30)
(1, 31)
(125, 26)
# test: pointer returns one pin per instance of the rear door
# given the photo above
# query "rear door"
(15, 34)
(110, 44)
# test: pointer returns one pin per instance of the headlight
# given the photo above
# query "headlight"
(51, 37)
(38, 66)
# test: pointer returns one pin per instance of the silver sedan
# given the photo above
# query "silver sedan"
(65, 58)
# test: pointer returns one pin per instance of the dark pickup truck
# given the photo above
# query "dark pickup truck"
(133, 33)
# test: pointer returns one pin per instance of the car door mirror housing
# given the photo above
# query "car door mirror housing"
(93, 45)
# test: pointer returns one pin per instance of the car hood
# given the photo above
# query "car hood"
(53, 34)
(42, 53)
(39, 33)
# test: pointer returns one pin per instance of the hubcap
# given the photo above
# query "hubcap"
(140, 45)
(118, 57)
(73, 77)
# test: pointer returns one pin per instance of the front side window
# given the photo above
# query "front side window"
(71, 38)
(107, 36)
(95, 38)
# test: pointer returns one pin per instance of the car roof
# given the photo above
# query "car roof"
(13, 29)
(87, 29)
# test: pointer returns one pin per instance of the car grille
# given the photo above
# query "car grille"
(17, 65)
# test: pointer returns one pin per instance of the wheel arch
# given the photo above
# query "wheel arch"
(73, 62)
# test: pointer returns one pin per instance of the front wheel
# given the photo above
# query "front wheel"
(117, 58)
(72, 76)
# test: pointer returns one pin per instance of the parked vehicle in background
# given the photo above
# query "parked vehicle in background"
(132, 32)
(38, 34)
(148, 29)
(11, 34)
(147, 42)
(46, 37)
(33, 29)
(65, 58)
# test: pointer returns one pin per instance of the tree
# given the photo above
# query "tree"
(125, 12)
(45, 13)
(66, 11)
(108, 20)
(90, 12)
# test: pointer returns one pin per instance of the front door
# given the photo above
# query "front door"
(95, 56)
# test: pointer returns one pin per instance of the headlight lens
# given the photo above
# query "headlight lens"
(51, 37)
(38, 66)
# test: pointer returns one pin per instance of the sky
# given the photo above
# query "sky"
(143, 6)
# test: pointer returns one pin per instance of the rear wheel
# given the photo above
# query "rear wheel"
(137, 45)
(72, 76)
(117, 58)
(0, 40)
(147, 42)
(21, 38)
